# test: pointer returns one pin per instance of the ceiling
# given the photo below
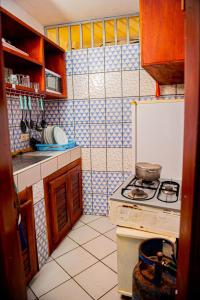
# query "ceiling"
(49, 12)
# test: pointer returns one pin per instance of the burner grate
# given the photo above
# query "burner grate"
(168, 191)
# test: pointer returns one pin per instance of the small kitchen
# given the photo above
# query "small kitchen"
(93, 104)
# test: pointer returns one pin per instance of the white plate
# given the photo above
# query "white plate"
(59, 135)
(50, 135)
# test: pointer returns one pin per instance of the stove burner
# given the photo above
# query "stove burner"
(168, 192)
(137, 194)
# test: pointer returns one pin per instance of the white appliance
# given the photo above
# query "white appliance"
(158, 138)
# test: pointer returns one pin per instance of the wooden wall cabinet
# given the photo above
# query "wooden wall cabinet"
(162, 40)
(63, 201)
(42, 53)
(29, 250)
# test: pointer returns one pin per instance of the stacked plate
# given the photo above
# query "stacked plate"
(54, 135)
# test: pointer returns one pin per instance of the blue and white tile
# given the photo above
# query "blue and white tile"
(115, 179)
(40, 218)
(130, 57)
(16, 112)
(147, 84)
(112, 58)
(127, 175)
(80, 62)
(114, 135)
(113, 110)
(127, 135)
(97, 110)
(98, 135)
(100, 204)
(99, 182)
(66, 111)
(113, 84)
(35, 109)
(9, 109)
(127, 114)
(12, 139)
(18, 145)
(70, 92)
(42, 249)
(69, 130)
(87, 182)
(87, 204)
(52, 112)
(81, 111)
(114, 159)
(96, 85)
(69, 64)
(96, 60)
(130, 81)
(82, 134)
(38, 191)
(80, 84)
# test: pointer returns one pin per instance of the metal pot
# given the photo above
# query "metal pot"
(147, 171)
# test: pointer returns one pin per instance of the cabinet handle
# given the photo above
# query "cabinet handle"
(182, 4)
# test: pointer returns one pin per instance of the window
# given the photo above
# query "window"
(133, 29)
(110, 32)
(75, 37)
(86, 35)
(52, 34)
(63, 37)
(98, 34)
(122, 31)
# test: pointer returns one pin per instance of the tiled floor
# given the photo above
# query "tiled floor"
(83, 267)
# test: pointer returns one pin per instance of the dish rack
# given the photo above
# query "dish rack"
(56, 147)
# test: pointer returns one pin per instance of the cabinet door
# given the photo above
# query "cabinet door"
(27, 232)
(59, 208)
(74, 182)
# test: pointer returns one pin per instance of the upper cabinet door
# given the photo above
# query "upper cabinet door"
(59, 206)
(74, 182)
(162, 40)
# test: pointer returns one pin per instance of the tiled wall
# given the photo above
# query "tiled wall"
(101, 84)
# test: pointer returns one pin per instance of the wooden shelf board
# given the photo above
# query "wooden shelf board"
(52, 95)
(21, 56)
(23, 88)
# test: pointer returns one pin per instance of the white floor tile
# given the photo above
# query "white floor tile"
(111, 261)
(83, 234)
(100, 247)
(97, 280)
(50, 276)
(76, 261)
(49, 259)
(113, 295)
(102, 225)
(89, 218)
(112, 234)
(66, 245)
(78, 225)
(68, 290)
(30, 295)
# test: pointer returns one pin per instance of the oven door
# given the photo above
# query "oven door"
(144, 218)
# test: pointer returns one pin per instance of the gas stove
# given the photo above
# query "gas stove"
(148, 206)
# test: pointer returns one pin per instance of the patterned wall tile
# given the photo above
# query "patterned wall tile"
(130, 83)
(113, 110)
(114, 159)
(127, 113)
(81, 111)
(113, 84)
(66, 111)
(11, 133)
(87, 182)
(80, 63)
(114, 135)
(16, 112)
(9, 109)
(130, 57)
(115, 179)
(96, 60)
(87, 204)
(42, 249)
(127, 174)
(82, 134)
(69, 64)
(127, 135)
(80, 84)
(18, 145)
(100, 205)
(70, 92)
(98, 135)
(112, 58)
(99, 182)
(96, 85)
(97, 111)
(69, 130)
(98, 157)
(38, 191)
(147, 84)
(40, 217)
(52, 112)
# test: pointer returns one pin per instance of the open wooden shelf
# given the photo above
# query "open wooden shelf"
(42, 53)
(22, 88)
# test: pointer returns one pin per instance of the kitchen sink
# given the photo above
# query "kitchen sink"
(23, 161)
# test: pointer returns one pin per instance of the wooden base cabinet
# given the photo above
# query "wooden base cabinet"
(63, 202)
(28, 236)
